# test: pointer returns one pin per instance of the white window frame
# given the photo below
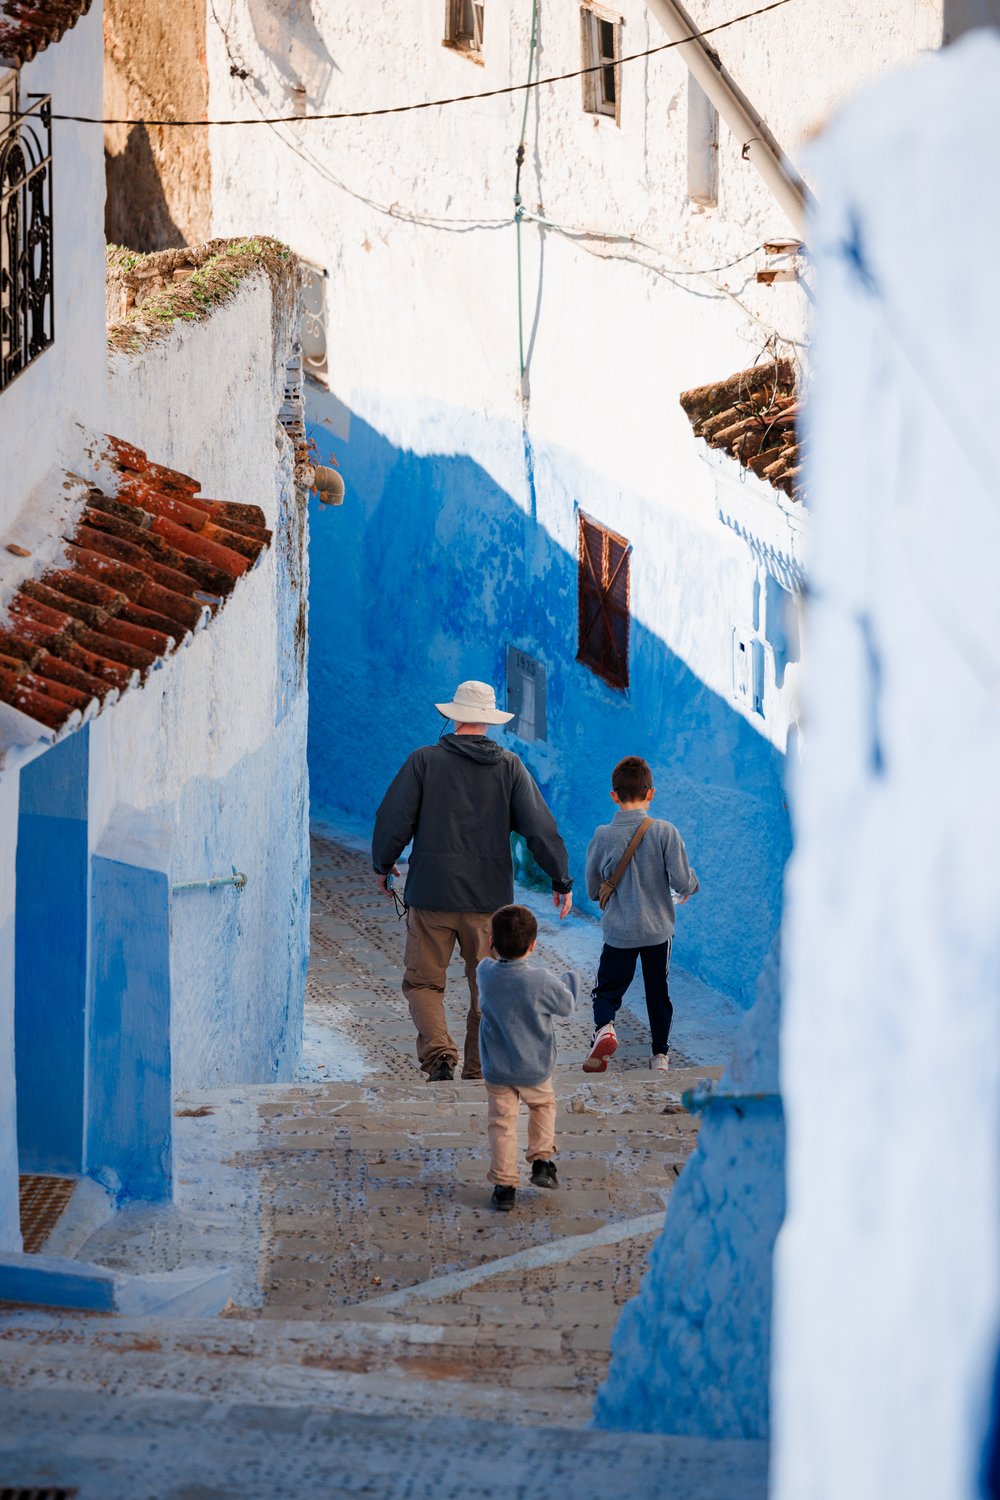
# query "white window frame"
(464, 25)
(596, 100)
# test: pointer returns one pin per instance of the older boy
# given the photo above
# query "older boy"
(517, 1045)
(638, 919)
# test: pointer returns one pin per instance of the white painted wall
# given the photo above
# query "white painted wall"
(67, 384)
(888, 1270)
(213, 745)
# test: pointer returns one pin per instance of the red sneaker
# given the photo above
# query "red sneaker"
(605, 1046)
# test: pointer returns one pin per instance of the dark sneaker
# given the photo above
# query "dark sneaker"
(503, 1199)
(543, 1174)
(441, 1070)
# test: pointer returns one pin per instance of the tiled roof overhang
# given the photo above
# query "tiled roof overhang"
(752, 417)
(143, 568)
(27, 27)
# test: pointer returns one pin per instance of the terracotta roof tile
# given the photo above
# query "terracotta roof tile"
(28, 26)
(144, 568)
(752, 416)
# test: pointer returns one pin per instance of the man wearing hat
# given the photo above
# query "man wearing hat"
(459, 801)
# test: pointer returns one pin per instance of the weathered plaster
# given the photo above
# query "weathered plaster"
(888, 1266)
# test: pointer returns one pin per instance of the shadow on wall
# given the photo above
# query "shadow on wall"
(961, 16)
(423, 579)
(691, 1354)
(136, 212)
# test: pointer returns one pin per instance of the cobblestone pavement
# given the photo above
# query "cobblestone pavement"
(372, 1276)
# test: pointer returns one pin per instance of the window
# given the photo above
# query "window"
(526, 695)
(604, 602)
(702, 147)
(313, 331)
(601, 50)
(464, 27)
(25, 230)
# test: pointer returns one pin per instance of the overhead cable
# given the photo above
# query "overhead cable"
(400, 109)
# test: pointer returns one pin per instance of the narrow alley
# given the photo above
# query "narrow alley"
(369, 1277)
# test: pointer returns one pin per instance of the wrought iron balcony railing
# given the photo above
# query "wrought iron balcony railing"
(26, 329)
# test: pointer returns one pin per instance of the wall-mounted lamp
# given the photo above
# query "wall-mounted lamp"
(329, 485)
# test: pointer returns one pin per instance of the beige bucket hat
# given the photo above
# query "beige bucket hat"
(474, 703)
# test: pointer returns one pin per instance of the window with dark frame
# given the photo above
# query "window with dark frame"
(464, 21)
(26, 300)
(602, 53)
(603, 602)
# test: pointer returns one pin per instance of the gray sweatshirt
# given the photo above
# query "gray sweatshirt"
(519, 1002)
(641, 911)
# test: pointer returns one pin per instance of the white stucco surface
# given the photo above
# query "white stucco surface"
(888, 1267)
(213, 746)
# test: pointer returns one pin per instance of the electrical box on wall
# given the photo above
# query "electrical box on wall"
(526, 695)
(748, 672)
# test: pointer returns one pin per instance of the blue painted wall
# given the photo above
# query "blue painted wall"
(691, 1354)
(129, 1104)
(422, 579)
(240, 956)
(51, 958)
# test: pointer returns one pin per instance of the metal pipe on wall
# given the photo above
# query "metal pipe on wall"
(759, 145)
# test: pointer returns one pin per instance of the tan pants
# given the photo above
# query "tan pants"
(430, 941)
(504, 1108)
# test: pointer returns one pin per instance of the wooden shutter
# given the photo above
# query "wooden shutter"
(603, 602)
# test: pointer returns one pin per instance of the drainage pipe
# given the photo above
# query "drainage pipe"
(759, 146)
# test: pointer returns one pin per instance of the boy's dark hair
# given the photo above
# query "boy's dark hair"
(514, 930)
(631, 779)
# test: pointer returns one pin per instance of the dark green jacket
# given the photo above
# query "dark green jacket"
(459, 801)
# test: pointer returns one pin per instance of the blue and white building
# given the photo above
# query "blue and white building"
(153, 852)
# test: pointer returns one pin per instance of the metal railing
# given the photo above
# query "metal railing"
(26, 301)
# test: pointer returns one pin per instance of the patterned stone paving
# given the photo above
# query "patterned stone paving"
(328, 1198)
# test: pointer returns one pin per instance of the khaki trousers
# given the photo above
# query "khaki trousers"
(504, 1108)
(430, 942)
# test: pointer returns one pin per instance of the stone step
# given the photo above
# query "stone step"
(177, 1447)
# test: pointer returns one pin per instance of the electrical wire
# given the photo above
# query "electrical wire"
(390, 210)
(400, 109)
(579, 236)
(519, 158)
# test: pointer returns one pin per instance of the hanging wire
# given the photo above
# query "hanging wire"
(401, 109)
(519, 158)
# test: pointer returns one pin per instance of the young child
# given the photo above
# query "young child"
(517, 1047)
(638, 920)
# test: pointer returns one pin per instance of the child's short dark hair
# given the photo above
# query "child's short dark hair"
(513, 932)
(631, 779)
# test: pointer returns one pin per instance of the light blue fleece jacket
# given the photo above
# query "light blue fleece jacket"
(519, 1002)
(641, 911)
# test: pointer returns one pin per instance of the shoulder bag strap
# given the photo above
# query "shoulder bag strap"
(626, 859)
